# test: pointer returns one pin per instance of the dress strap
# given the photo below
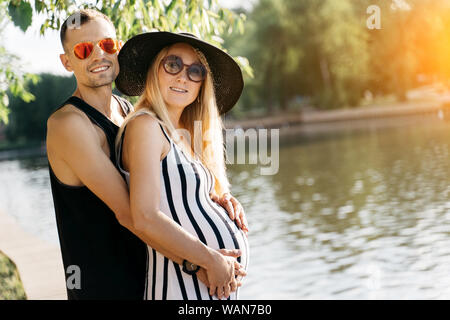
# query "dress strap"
(165, 133)
(124, 104)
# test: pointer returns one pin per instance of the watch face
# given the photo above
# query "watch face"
(191, 266)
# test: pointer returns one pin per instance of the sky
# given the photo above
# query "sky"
(41, 53)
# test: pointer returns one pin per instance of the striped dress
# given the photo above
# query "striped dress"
(185, 188)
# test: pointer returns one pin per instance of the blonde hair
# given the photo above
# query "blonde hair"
(209, 145)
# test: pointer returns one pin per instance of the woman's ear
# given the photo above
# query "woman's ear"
(65, 61)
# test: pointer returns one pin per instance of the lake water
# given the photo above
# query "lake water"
(349, 215)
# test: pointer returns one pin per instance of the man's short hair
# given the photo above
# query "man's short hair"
(77, 19)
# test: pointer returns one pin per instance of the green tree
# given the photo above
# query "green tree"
(337, 54)
(205, 19)
(392, 50)
(12, 77)
(304, 48)
(414, 39)
(27, 121)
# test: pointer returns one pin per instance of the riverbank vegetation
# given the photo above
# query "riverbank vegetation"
(337, 54)
(28, 121)
(11, 287)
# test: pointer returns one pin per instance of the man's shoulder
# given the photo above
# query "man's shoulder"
(68, 117)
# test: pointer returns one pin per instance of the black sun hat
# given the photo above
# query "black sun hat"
(138, 53)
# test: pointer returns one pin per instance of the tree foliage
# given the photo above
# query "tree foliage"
(205, 19)
(12, 77)
(413, 41)
(28, 121)
(324, 51)
(304, 48)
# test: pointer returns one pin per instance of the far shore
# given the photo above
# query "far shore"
(321, 122)
(312, 122)
(373, 112)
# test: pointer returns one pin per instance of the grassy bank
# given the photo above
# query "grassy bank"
(11, 287)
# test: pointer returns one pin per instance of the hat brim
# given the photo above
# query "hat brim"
(138, 53)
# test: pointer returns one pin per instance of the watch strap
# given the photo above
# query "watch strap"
(188, 270)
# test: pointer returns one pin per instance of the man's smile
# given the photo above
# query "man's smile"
(99, 69)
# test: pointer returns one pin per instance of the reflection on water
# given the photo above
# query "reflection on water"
(25, 194)
(357, 215)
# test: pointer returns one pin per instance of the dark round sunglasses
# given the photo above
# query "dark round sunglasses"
(174, 65)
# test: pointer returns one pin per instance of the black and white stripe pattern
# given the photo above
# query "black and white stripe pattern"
(185, 187)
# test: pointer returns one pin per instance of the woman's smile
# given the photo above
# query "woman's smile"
(178, 90)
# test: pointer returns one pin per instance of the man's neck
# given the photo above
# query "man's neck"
(99, 98)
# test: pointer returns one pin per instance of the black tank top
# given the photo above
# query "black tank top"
(112, 261)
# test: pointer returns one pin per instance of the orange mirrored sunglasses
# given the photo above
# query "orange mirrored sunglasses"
(84, 49)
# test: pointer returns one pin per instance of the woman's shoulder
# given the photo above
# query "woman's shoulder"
(144, 137)
(143, 122)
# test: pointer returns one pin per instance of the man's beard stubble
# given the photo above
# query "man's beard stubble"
(104, 78)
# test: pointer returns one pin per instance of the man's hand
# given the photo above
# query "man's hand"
(239, 273)
(234, 209)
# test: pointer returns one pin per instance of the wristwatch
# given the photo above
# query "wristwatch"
(190, 268)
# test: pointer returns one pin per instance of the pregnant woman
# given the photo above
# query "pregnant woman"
(172, 154)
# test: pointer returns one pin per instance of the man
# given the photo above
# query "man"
(92, 207)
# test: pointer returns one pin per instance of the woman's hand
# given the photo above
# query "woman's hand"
(234, 209)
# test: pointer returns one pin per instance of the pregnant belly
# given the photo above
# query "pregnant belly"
(232, 236)
(210, 223)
